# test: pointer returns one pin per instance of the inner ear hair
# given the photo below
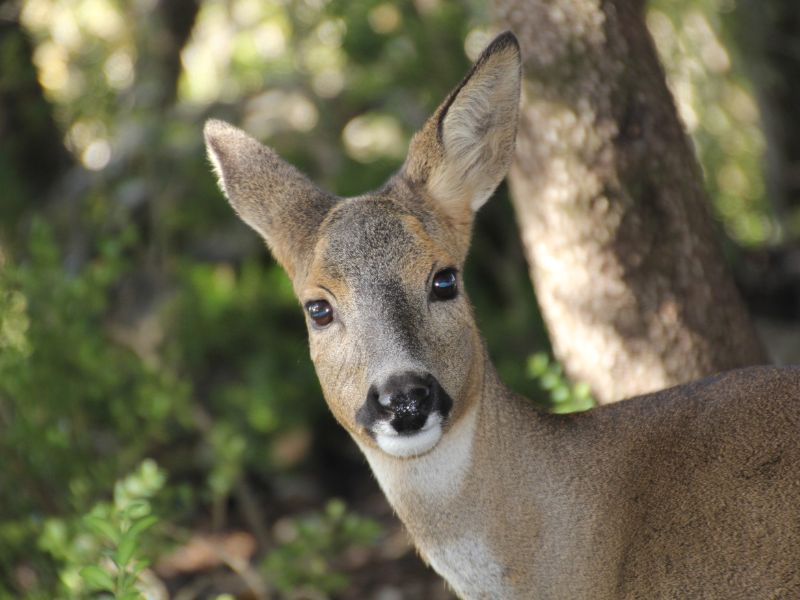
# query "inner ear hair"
(477, 126)
(464, 150)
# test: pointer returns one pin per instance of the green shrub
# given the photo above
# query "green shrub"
(565, 397)
(307, 561)
(77, 410)
(102, 551)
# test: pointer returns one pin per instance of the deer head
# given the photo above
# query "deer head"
(391, 331)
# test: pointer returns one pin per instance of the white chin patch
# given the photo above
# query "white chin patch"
(415, 444)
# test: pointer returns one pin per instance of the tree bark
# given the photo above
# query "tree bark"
(32, 153)
(610, 201)
(161, 36)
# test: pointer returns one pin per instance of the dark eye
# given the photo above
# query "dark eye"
(445, 285)
(320, 311)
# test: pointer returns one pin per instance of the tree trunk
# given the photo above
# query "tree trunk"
(32, 154)
(161, 35)
(610, 200)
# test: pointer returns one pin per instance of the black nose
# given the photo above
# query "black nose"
(408, 398)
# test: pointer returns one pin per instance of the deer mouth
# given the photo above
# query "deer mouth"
(405, 413)
(409, 444)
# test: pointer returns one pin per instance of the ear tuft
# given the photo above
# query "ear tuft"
(267, 193)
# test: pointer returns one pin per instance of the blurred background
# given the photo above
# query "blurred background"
(158, 409)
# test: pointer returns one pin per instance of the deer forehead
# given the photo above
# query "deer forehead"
(369, 248)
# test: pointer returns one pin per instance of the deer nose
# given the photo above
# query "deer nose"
(407, 397)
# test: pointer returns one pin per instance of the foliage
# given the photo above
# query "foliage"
(75, 408)
(719, 108)
(306, 560)
(565, 397)
(139, 320)
(102, 551)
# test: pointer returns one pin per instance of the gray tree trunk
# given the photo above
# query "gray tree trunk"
(610, 201)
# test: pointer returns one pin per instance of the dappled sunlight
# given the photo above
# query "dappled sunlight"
(119, 71)
(719, 110)
(385, 18)
(290, 57)
(88, 139)
(372, 136)
(140, 319)
(322, 57)
(51, 61)
(97, 155)
(85, 55)
(206, 58)
(282, 61)
(476, 41)
(67, 32)
(279, 110)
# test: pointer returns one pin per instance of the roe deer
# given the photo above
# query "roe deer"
(693, 492)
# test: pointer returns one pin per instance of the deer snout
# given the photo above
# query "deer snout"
(405, 413)
(407, 398)
(404, 402)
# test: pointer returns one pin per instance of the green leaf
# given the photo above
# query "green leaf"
(125, 550)
(141, 525)
(582, 390)
(550, 380)
(128, 542)
(137, 509)
(97, 578)
(560, 394)
(335, 509)
(101, 527)
(128, 581)
(537, 364)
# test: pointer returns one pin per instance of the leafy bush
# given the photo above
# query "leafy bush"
(564, 397)
(76, 409)
(307, 559)
(81, 405)
(102, 551)
(225, 374)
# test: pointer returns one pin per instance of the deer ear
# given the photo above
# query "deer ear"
(267, 193)
(464, 150)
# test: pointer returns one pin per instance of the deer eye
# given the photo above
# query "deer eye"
(445, 285)
(320, 311)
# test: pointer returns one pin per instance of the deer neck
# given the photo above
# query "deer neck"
(485, 435)
(444, 496)
(496, 503)
(429, 480)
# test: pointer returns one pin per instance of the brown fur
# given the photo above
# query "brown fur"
(688, 493)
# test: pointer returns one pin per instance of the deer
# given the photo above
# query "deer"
(691, 492)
